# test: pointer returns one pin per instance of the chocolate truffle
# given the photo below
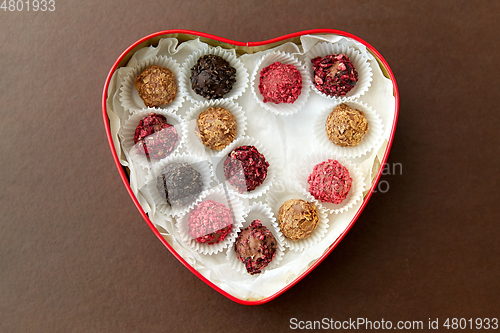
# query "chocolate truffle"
(179, 183)
(334, 75)
(155, 137)
(346, 126)
(330, 182)
(210, 222)
(297, 219)
(255, 247)
(216, 128)
(212, 77)
(280, 83)
(156, 86)
(245, 168)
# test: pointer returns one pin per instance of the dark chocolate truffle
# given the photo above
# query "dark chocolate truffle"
(179, 183)
(216, 128)
(280, 83)
(245, 168)
(346, 126)
(155, 137)
(330, 182)
(156, 86)
(210, 222)
(255, 247)
(212, 77)
(297, 219)
(334, 75)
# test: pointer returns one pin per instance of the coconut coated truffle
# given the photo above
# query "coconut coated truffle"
(297, 219)
(346, 126)
(330, 182)
(156, 86)
(216, 128)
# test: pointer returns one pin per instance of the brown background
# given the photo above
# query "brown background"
(76, 256)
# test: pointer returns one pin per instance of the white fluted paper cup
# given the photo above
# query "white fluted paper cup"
(360, 63)
(371, 139)
(129, 96)
(284, 190)
(192, 141)
(219, 195)
(218, 165)
(355, 193)
(241, 73)
(262, 212)
(199, 164)
(135, 150)
(283, 109)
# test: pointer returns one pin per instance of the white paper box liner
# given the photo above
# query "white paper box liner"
(199, 164)
(284, 190)
(128, 132)
(355, 193)
(232, 202)
(360, 63)
(218, 168)
(129, 96)
(282, 109)
(229, 55)
(193, 143)
(262, 212)
(371, 139)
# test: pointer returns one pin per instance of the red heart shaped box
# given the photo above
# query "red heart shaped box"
(184, 35)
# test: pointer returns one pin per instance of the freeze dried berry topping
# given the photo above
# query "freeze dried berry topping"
(156, 86)
(155, 137)
(179, 183)
(330, 182)
(334, 75)
(346, 126)
(210, 222)
(280, 83)
(212, 77)
(216, 128)
(255, 247)
(245, 168)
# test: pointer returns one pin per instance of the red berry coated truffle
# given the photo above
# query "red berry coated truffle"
(255, 247)
(245, 168)
(155, 137)
(334, 75)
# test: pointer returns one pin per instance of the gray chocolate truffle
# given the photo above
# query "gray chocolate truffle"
(179, 184)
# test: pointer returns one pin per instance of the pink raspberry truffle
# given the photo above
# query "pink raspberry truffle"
(245, 168)
(334, 75)
(155, 137)
(280, 83)
(210, 222)
(330, 182)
